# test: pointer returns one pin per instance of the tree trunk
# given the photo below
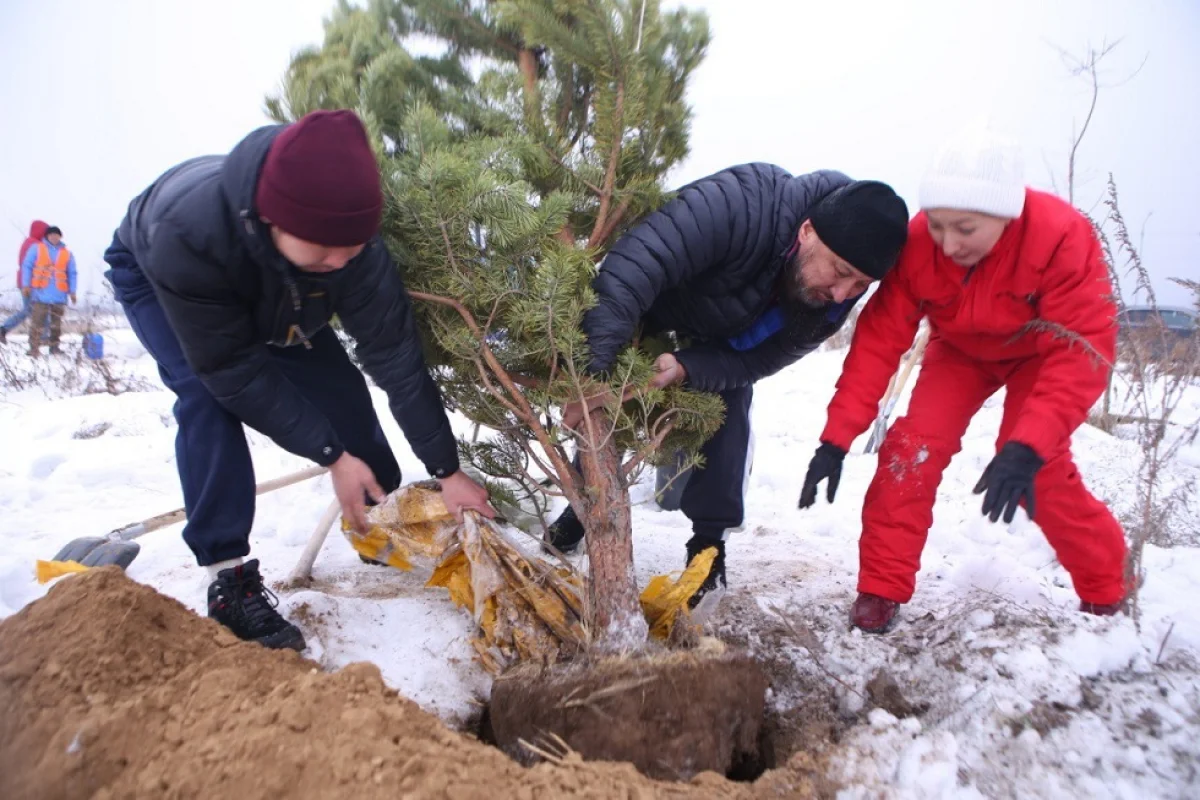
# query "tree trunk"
(616, 617)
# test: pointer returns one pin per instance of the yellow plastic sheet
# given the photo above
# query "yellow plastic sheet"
(524, 608)
(663, 600)
(49, 570)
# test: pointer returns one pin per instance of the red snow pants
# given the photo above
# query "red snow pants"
(898, 510)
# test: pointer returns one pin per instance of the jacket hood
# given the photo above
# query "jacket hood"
(36, 232)
(239, 178)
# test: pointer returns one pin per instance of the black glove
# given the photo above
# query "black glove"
(827, 463)
(1007, 479)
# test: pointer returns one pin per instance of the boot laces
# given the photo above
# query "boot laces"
(258, 603)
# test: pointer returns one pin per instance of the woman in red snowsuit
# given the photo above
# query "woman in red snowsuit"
(1017, 295)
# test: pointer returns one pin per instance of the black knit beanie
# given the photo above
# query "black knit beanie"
(864, 222)
(52, 229)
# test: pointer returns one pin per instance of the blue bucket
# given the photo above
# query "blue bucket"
(93, 346)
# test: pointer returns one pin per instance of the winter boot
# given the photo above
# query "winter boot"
(566, 532)
(716, 575)
(238, 600)
(3, 335)
(872, 613)
(1102, 609)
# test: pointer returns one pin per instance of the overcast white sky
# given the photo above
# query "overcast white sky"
(99, 98)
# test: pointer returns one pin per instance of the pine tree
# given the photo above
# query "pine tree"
(512, 159)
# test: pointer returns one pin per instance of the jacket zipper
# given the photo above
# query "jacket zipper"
(294, 330)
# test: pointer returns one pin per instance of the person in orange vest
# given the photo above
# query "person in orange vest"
(37, 231)
(48, 280)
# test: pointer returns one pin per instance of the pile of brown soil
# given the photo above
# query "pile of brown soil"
(109, 689)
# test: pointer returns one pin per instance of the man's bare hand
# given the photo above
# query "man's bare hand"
(572, 415)
(353, 481)
(670, 371)
(460, 494)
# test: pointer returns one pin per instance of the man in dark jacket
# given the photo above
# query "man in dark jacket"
(230, 269)
(755, 268)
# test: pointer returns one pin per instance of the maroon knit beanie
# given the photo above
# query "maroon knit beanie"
(320, 182)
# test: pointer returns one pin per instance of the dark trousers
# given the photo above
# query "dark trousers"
(211, 454)
(714, 498)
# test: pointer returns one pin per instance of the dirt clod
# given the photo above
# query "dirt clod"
(1092, 699)
(109, 689)
(1043, 717)
(884, 692)
(671, 716)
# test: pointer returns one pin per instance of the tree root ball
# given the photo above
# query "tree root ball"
(671, 715)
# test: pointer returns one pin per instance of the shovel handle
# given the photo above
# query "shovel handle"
(915, 356)
(303, 570)
(136, 529)
(895, 388)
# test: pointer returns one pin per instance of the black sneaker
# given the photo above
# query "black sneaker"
(238, 600)
(716, 575)
(566, 532)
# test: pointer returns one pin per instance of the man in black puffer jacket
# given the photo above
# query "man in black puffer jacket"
(753, 268)
(230, 269)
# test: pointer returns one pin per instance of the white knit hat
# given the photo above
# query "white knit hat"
(978, 170)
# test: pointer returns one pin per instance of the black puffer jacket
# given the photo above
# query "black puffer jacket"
(228, 294)
(707, 265)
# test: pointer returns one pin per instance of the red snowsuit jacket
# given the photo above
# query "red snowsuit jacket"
(37, 232)
(1043, 286)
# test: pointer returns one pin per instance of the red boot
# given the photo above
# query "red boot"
(872, 613)
(1102, 609)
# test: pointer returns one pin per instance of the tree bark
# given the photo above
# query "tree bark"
(615, 614)
(527, 63)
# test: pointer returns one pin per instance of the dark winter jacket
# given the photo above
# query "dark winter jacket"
(228, 294)
(707, 265)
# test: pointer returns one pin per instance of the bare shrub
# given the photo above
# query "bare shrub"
(66, 375)
(1152, 376)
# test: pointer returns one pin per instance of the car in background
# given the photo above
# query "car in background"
(1165, 333)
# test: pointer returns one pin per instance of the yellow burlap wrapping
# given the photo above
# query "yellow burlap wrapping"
(525, 608)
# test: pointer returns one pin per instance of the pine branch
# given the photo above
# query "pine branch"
(525, 411)
(558, 160)
(484, 30)
(610, 177)
(615, 221)
(527, 63)
(649, 449)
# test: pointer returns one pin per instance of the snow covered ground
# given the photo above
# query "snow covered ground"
(992, 685)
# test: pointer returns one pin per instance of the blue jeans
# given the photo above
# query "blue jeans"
(19, 317)
(211, 454)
